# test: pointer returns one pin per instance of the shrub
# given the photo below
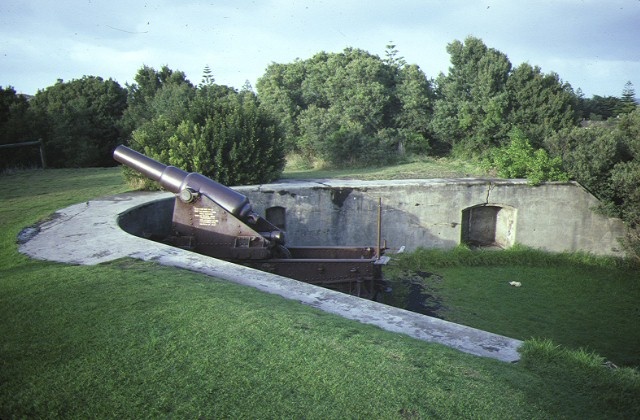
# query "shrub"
(79, 121)
(219, 133)
(520, 160)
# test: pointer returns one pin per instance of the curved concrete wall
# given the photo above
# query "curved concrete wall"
(435, 213)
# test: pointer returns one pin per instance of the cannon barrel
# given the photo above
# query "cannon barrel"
(178, 181)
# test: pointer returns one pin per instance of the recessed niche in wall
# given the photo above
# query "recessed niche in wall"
(489, 226)
(277, 216)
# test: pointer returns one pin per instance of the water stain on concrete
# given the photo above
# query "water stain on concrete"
(339, 195)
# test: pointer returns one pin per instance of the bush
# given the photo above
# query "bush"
(605, 159)
(352, 147)
(219, 133)
(16, 124)
(520, 160)
(79, 121)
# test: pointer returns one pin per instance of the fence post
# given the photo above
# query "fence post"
(38, 143)
(42, 159)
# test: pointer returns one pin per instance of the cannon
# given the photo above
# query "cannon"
(214, 220)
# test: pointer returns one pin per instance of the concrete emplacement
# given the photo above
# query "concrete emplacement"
(109, 228)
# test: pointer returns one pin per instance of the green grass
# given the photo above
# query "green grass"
(415, 169)
(27, 197)
(133, 339)
(577, 300)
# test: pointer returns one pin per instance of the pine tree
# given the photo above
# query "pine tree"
(207, 76)
(392, 58)
(628, 101)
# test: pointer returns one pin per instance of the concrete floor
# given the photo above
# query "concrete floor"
(88, 234)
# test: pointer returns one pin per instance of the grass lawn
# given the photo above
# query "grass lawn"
(420, 168)
(133, 339)
(576, 300)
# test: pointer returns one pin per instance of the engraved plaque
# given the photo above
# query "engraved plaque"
(206, 216)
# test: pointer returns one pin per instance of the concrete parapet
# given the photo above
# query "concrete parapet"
(442, 213)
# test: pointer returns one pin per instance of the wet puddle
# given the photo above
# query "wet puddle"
(416, 291)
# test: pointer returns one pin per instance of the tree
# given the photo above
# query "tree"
(16, 126)
(166, 111)
(588, 156)
(213, 130)
(148, 82)
(471, 103)
(207, 76)
(391, 57)
(540, 104)
(628, 101)
(626, 173)
(598, 108)
(606, 160)
(412, 119)
(350, 107)
(280, 92)
(79, 121)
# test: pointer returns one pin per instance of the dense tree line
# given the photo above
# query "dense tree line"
(16, 126)
(605, 159)
(347, 108)
(211, 129)
(78, 121)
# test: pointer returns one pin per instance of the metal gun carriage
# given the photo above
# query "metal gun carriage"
(214, 220)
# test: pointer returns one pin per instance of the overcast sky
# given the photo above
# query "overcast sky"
(592, 44)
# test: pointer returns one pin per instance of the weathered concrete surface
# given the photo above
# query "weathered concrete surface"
(88, 233)
(428, 213)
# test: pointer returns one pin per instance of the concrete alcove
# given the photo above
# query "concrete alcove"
(489, 226)
(277, 216)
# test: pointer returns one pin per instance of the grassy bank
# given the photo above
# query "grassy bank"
(133, 339)
(423, 167)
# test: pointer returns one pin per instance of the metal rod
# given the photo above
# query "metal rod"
(24, 143)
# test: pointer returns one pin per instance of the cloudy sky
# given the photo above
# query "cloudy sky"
(592, 44)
